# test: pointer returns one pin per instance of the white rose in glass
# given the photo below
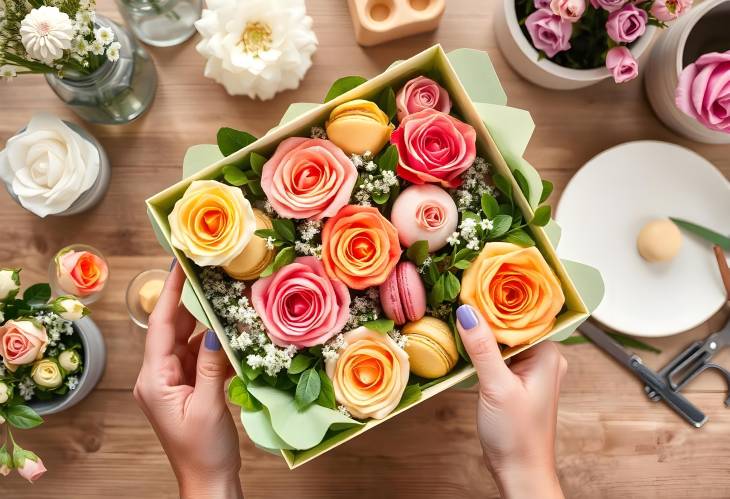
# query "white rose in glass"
(69, 308)
(48, 165)
(46, 374)
(9, 283)
(46, 32)
(69, 360)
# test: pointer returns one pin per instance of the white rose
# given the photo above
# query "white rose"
(4, 392)
(69, 308)
(49, 165)
(9, 283)
(69, 360)
(46, 374)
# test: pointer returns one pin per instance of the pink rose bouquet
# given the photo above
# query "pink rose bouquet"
(703, 91)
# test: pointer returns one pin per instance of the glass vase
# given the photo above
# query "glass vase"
(116, 93)
(161, 23)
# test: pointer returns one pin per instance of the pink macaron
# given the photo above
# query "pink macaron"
(402, 295)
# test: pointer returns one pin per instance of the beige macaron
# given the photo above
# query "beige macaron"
(255, 257)
(431, 347)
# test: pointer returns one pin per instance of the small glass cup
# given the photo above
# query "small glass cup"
(137, 314)
(161, 23)
(93, 279)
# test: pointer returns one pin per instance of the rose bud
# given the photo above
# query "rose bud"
(69, 308)
(46, 374)
(69, 360)
(4, 392)
(6, 460)
(9, 283)
(29, 465)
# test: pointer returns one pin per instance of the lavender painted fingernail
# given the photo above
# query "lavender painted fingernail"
(211, 341)
(467, 317)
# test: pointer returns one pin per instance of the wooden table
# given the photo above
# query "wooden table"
(612, 442)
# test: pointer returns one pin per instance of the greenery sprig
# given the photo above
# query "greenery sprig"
(246, 172)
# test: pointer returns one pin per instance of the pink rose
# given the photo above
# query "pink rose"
(621, 64)
(608, 5)
(300, 305)
(21, 343)
(542, 4)
(627, 24)
(308, 178)
(549, 32)
(422, 93)
(668, 10)
(569, 10)
(434, 147)
(703, 91)
(31, 469)
(81, 273)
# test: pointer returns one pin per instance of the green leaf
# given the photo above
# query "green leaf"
(386, 102)
(308, 389)
(436, 296)
(547, 189)
(520, 238)
(622, 339)
(522, 182)
(231, 140)
(283, 257)
(465, 254)
(503, 184)
(239, 395)
(382, 326)
(251, 373)
(22, 417)
(300, 362)
(254, 187)
(417, 252)
(501, 224)
(343, 85)
(265, 233)
(411, 394)
(388, 159)
(235, 176)
(462, 264)
(381, 198)
(542, 216)
(703, 232)
(37, 295)
(257, 163)
(285, 229)
(451, 286)
(326, 396)
(490, 207)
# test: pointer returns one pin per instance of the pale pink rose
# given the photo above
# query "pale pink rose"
(434, 147)
(668, 10)
(300, 304)
(21, 343)
(32, 470)
(703, 91)
(569, 10)
(608, 5)
(627, 24)
(308, 178)
(81, 273)
(621, 64)
(421, 93)
(542, 4)
(549, 32)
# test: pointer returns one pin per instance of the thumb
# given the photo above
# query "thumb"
(481, 346)
(211, 371)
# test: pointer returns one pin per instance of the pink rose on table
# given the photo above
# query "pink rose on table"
(549, 32)
(421, 93)
(608, 5)
(308, 178)
(22, 342)
(621, 64)
(32, 467)
(627, 24)
(569, 10)
(81, 273)
(703, 91)
(434, 147)
(668, 10)
(300, 304)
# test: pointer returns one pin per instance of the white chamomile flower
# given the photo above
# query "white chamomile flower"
(7, 71)
(96, 47)
(85, 18)
(81, 46)
(46, 33)
(112, 51)
(104, 36)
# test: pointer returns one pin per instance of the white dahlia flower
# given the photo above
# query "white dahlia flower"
(46, 32)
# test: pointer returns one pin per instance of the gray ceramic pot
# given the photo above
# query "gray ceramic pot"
(94, 363)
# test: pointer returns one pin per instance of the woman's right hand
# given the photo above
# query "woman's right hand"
(517, 410)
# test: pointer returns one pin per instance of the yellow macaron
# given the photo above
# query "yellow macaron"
(431, 347)
(359, 126)
(255, 257)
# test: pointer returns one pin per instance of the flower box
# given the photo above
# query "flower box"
(502, 135)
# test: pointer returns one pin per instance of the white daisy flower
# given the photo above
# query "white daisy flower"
(46, 33)
(104, 35)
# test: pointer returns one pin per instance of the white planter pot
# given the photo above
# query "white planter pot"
(522, 56)
(673, 52)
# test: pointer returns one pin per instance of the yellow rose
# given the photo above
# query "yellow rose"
(46, 374)
(370, 373)
(516, 291)
(212, 223)
(359, 126)
(256, 256)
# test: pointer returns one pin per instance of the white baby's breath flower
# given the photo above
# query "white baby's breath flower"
(45, 33)
(453, 239)
(104, 35)
(270, 243)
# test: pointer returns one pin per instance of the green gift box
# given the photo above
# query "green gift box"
(502, 136)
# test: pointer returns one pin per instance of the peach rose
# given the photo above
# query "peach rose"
(421, 93)
(81, 273)
(308, 178)
(370, 373)
(212, 223)
(515, 290)
(359, 247)
(22, 342)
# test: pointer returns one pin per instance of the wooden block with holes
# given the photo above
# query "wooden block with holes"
(379, 21)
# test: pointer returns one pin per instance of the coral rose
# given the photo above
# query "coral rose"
(212, 223)
(308, 178)
(300, 305)
(359, 247)
(22, 342)
(421, 93)
(515, 290)
(434, 147)
(81, 273)
(370, 373)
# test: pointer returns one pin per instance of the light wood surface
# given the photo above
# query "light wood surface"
(612, 441)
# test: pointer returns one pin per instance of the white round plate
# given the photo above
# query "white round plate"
(605, 206)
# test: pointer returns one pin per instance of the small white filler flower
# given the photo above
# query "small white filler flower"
(46, 32)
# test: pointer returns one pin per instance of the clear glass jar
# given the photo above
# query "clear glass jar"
(161, 23)
(116, 93)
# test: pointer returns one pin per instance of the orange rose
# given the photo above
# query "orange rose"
(370, 373)
(359, 247)
(515, 290)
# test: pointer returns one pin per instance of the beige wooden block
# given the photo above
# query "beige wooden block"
(379, 21)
